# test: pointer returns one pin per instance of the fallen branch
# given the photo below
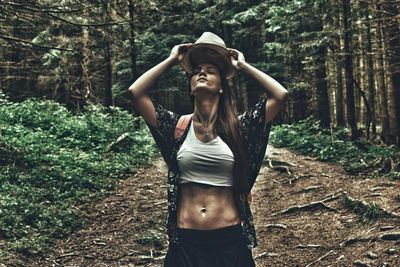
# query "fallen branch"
(321, 258)
(266, 254)
(308, 246)
(159, 203)
(358, 239)
(278, 225)
(392, 236)
(293, 179)
(387, 227)
(333, 196)
(361, 263)
(280, 167)
(280, 162)
(310, 188)
(67, 255)
(309, 206)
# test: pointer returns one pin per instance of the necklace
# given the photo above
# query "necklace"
(207, 131)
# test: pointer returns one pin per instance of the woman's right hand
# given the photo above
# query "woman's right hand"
(179, 51)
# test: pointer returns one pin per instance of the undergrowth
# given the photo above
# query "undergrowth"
(357, 157)
(51, 160)
(366, 213)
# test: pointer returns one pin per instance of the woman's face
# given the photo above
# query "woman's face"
(206, 76)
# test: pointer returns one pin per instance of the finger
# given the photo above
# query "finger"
(234, 55)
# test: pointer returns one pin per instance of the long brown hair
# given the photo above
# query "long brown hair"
(228, 128)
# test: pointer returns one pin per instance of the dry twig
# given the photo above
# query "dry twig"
(277, 225)
(308, 246)
(321, 258)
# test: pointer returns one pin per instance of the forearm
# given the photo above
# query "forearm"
(272, 87)
(143, 83)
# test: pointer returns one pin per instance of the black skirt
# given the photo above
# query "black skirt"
(223, 247)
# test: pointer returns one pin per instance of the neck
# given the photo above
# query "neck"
(205, 110)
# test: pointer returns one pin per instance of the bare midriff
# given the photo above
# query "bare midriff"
(206, 207)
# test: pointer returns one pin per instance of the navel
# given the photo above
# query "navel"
(203, 210)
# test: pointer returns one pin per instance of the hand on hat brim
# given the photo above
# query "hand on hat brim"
(178, 52)
(237, 58)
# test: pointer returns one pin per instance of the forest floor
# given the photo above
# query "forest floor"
(321, 227)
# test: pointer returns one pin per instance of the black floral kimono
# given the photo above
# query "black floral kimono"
(256, 135)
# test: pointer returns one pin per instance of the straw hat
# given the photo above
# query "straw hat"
(209, 48)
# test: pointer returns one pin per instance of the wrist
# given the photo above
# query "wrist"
(171, 61)
(243, 66)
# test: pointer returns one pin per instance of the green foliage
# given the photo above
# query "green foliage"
(367, 213)
(150, 237)
(360, 157)
(52, 160)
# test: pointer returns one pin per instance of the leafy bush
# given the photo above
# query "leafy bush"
(52, 159)
(359, 157)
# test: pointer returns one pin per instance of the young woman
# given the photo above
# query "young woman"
(214, 161)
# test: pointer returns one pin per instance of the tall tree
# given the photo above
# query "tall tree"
(348, 65)
(321, 80)
(133, 49)
(371, 119)
(392, 30)
(385, 133)
(338, 41)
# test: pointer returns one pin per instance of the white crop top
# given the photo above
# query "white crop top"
(206, 163)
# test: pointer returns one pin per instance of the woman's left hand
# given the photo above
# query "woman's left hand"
(237, 58)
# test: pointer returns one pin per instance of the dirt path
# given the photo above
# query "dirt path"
(126, 228)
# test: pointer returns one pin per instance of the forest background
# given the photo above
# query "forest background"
(339, 59)
(65, 67)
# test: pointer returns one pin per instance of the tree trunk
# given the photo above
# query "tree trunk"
(370, 75)
(339, 75)
(84, 86)
(351, 118)
(109, 101)
(381, 76)
(322, 89)
(392, 31)
(132, 40)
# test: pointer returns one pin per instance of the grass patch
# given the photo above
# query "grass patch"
(368, 212)
(52, 160)
(150, 237)
(356, 157)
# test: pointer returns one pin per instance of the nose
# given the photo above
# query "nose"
(202, 72)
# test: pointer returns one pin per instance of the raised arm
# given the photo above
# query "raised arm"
(277, 94)
(138, 90)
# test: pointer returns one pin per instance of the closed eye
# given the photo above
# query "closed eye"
(196, 70)
(211, 70)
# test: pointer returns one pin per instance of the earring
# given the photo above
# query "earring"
(221, 91)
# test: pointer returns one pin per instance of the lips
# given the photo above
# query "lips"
(202, 79)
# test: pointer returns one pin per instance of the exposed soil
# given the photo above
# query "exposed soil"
(127, 227)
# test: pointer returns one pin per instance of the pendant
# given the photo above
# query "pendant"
(207, 133)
